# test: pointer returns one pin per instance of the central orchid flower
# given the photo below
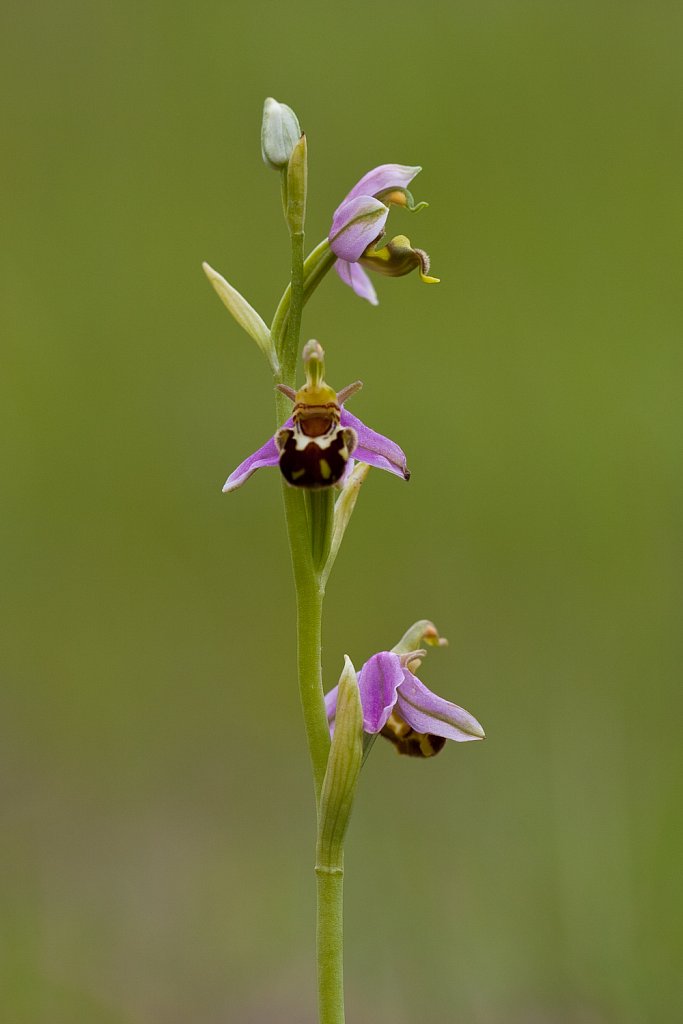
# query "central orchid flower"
(400, 707)
(358, 225)
(313, 448)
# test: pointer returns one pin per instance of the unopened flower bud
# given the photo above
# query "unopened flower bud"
(280, 133)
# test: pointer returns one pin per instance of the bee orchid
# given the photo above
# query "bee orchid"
(314, 447)
(401, 708)
(358, 225)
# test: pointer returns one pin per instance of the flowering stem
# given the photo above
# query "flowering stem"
(309, 518)
(329, 876)
(309, 593)
(309, 606)
(315, 267)
(289, 329)
(330, 944)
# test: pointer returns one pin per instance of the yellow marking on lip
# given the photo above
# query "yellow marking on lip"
(325, 470)
(297, 474)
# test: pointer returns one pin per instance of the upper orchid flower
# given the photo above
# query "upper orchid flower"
(358, 224)
(396, 704)
(314, 447)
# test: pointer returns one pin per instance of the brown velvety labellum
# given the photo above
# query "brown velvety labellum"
(316, 465)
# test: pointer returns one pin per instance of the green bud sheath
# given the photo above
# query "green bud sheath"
(341, 777)
(297, 185)
(343, 510)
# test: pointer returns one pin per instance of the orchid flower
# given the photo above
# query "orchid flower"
(313, 448)
(358, 225)
(400, 707)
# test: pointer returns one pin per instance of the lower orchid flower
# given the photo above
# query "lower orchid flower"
(314, 447)
(358, 225)
(400, 707)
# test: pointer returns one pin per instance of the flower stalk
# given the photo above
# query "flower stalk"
(316, 265)
(324, 454)
(309, 544)
(309, 593)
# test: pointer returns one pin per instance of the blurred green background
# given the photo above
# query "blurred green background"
(157, 828)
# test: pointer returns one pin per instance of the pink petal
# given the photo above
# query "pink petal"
(356, 278)
(375, 449)
(357, 224)
(267, 455)
(383, 177)
(378, 681)
(331, 706)
(425, 712)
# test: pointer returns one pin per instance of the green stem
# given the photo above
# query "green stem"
(309, 593)
(330, 944)
(309, 608)
(308, 551)
(290, 328)
(316, 265)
